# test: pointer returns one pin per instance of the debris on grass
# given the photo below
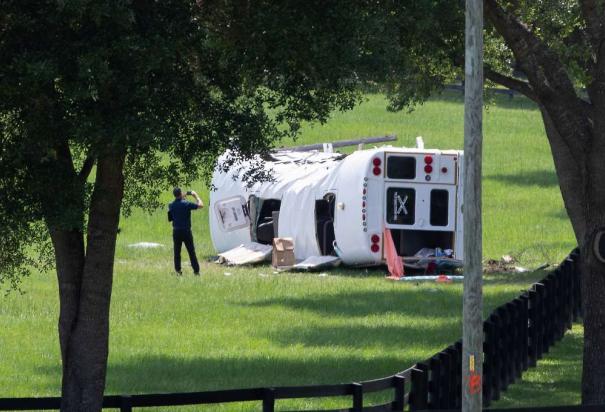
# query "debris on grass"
(508, 264)
(227, 273)
(145, 245)
(508, 259)
(504, 265)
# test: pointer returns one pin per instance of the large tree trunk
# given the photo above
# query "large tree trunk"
(593, 296)
(593, 373)
(86, 339)
(69, 255)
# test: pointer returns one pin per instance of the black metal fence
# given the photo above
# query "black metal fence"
(517, 334)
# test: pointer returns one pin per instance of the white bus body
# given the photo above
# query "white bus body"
(322, 200)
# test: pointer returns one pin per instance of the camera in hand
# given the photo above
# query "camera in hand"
(189, 192)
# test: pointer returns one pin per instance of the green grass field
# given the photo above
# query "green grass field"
(242, 327)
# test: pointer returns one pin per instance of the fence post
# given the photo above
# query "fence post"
(539, 318)
(550, 312)
(357, 397)
(452, 376)
(419, 391)
(444, 380)
(399, 383)
(125, 403)
(516, 325)
(533, 327)
(504, 347)
(456, 380)
(434, 382)
(524, 328)
(489, 355)
(269, 400)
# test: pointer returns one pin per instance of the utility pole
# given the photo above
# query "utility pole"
(472, 316)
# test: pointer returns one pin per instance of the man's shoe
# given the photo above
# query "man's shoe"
(179, 273)
(196, 273)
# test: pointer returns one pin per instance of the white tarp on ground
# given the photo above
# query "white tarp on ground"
(145, 245)
(297, 187)
(246, 254)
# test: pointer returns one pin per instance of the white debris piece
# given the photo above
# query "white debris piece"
(317, 262)
(246, 254)
(145, 245)
(508, 259)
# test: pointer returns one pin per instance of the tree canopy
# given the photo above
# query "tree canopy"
(173, 84)
(103, 104)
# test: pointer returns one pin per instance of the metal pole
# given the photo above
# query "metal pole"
(472, 317)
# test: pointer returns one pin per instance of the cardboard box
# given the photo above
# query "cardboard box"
(283, 252)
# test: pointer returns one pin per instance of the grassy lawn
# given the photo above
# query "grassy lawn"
(241, 327)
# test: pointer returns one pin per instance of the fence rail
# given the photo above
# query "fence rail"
(517, 334)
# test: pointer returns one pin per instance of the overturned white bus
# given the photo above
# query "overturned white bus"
(331, 203)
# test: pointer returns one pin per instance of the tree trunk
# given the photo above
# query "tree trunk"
(69, 255)
(86, 352)
(593, 373)
(593, 295)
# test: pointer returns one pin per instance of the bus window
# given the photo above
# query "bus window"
(264, 220)
(232, 213)
(401, 167)
(401, 206)
(439, 207)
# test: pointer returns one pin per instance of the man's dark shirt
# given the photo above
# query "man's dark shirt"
(180, 211)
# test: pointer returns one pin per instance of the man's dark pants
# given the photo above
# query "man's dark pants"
(180, 236)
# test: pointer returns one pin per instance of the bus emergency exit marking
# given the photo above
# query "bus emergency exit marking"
(399, 205)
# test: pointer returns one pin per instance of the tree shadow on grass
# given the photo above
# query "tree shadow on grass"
(429, 301)
(418, 337)
(422, 302)
(540, 178)
(171, 374)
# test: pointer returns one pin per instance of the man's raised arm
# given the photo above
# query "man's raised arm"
(197, 199)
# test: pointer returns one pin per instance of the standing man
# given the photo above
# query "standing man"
(179, 213)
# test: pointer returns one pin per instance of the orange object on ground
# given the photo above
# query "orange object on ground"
(394, 262)
(443, 279)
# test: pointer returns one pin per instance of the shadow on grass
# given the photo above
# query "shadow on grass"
(540, 178)
(170, 374)
(409, 338)
(560, 214)
(426, 302)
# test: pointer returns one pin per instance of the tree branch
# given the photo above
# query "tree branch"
(512, 83)
(592, 12)
(544, 70)
(547, 76)
(86, 167)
